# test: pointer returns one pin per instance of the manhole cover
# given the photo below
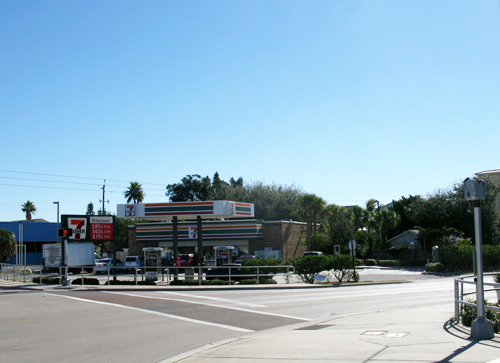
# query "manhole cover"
(396, 335)
(374, 332)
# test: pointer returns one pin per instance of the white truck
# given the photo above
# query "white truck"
(78, 255)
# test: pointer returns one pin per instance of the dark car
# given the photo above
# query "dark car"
(222, 272)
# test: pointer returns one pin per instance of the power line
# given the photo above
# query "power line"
(68, 182)
(75, 177)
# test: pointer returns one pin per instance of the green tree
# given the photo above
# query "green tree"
(448, 212)
(134, 193)
(338, 223)
(7, 244)
(191, 188)
(90, 209)
(271, 202)
(309, 208)
(28, 208)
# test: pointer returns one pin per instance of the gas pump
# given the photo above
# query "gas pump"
(152, 262)
(223, 251)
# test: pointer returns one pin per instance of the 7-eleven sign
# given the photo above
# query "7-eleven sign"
(79, 227)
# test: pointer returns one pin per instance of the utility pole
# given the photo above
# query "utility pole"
(103, 199)
(103, 210)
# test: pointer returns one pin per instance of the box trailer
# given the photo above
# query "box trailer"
(78, 255)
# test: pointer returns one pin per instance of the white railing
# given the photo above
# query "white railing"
(461, 294)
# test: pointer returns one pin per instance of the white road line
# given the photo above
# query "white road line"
(195, 321)
(235, 302)
(213, 305)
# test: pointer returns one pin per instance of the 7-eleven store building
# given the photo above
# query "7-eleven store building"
(222, 223)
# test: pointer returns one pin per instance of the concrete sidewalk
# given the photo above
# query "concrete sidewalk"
(424, 334)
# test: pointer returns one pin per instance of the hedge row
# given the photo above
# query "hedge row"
(460, 258)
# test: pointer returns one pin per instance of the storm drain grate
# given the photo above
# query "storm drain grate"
(314, 327)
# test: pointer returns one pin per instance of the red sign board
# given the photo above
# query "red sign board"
(101, 228)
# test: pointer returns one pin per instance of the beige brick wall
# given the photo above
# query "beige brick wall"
(135, 248)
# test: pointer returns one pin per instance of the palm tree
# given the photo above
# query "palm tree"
(134, 193)
(310, 207)
(28, 208)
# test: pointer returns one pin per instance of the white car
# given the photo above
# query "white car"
(103, 264)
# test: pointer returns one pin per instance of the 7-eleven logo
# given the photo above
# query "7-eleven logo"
(79, 227)
(130, 210)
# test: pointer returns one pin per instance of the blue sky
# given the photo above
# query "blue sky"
(349, 100)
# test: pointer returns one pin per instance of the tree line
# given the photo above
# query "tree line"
(441, 218)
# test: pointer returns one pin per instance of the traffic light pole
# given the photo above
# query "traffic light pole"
(64, 263)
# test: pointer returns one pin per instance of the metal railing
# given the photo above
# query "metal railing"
(16, 272)
(228, 273)
(168, 273)
(461, 295)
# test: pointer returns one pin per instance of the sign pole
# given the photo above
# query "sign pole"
(475, 191)
(114, 248)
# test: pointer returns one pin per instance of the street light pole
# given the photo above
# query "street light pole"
(57, 232)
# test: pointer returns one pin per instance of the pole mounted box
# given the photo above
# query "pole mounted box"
(474, 189)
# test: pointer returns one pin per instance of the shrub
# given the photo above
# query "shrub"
(435, 267)
(262, 280)
(125, 282)
(419, 263)
(247, 282)
(189, 282)
(389, 263)
(51, 280)
(220, 282)
(308, 267)
(370, 262)
(86, 281)
(457, 258)
(469, 314)
(264, 262)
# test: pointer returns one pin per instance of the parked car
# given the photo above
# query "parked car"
(313, 253)
(133, 262)
(103, 264)
(186, 259)
(246, 257)
(222, 272)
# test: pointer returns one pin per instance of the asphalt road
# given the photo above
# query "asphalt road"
(149, 326)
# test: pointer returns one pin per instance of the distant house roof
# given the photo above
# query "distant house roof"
(497, 171)
(405, 238)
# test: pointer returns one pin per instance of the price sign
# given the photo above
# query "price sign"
(101, 228)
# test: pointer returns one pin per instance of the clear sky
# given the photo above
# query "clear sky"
(349, 100)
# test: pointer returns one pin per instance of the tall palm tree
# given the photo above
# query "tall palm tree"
(28, 208)
(134, 193)
(310, 207)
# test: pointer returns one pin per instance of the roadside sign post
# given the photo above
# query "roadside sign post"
(475, 192)
(352, 249)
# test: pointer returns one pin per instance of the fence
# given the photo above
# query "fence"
(154, 273)
(460, 293)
